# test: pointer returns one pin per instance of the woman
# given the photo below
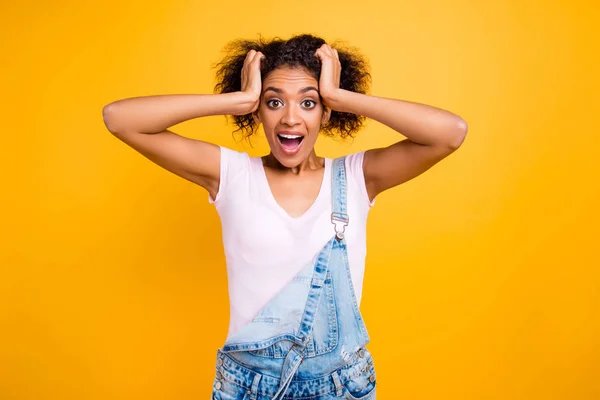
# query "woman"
(294, 223)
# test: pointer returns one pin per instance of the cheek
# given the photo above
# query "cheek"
(316, 120)
(267, 120)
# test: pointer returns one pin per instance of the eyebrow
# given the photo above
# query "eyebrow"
(303, 90)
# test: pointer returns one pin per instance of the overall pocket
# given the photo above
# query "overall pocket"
(225, 390)
(224, 387)
(361, 385)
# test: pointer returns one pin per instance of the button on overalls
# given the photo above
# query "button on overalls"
(309, 341)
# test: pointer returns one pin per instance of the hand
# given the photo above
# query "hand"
(251, 80)
(331, 69)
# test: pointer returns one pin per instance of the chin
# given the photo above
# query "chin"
(289, 161)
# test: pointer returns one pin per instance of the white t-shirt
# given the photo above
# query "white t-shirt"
(265, 247)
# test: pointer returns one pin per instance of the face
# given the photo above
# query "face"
(291, 113)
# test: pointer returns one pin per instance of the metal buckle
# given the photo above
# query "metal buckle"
(340, 221)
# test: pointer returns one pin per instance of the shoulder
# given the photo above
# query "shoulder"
(231, 155)
(353, 164)
(355, 175)
(233, 161)
(354, 161)
(233, 165)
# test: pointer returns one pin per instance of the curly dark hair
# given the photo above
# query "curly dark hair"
(296, 52)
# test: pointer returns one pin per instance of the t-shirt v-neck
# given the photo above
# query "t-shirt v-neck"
(268, 193)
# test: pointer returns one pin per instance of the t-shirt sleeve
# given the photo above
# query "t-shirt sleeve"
(232, 164)
(354, 168)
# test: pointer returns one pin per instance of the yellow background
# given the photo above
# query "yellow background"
(482, 275)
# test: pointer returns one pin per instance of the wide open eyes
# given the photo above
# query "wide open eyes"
(306, 103)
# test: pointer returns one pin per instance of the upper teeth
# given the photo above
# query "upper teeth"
(290, 136)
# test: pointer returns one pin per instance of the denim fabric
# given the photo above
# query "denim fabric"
(309, 341)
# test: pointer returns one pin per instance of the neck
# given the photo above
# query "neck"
(310, 163)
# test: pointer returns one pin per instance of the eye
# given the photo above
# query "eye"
(309, 103)
(274, 103)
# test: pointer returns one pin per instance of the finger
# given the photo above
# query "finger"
(322, 54)
(259, 56)
(336, 56)
(330, 51)
(323, 49)
(255, 63)
(249, 57)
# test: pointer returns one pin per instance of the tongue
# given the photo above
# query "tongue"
(289, 144)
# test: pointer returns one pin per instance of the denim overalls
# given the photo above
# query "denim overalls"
(309, 341)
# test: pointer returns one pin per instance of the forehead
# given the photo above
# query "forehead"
(289, 79)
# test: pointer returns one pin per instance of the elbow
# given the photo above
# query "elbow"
(458, 134)
(110, 117)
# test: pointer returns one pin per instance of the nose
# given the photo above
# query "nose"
(290, 116)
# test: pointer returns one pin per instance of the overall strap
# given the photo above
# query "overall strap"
(339, 217)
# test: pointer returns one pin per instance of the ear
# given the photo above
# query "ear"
(256, 117)
(326, 115)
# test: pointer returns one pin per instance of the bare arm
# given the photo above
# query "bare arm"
(154, 114)
(431, 133)
(143, 122)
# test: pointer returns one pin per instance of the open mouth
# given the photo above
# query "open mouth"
(290, 143)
